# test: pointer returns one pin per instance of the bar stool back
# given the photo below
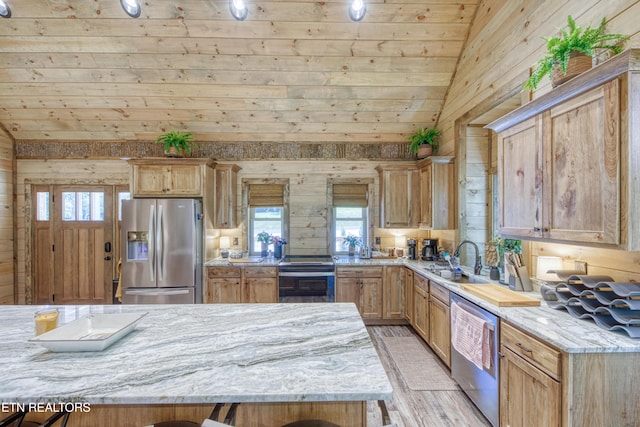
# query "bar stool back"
(212, 421)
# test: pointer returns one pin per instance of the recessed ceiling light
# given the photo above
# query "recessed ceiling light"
(5, 11)
(357, 10)
(238, 9)
(131, 7)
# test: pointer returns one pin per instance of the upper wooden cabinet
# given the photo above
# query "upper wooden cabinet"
(399, 196)
(215, 183)
(567, 161)
(164, 177)
(437, 193)
(226, 179)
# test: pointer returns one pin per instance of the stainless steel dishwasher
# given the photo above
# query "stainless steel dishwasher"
(475, 336)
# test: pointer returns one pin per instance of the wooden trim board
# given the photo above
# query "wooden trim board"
(500, 296)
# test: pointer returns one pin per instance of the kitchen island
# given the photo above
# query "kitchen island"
(281, 361)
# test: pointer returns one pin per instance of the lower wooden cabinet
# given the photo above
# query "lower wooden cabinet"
(223, 285)
(362, 286)
(439, 322)
(393, 292)
(529, 393)
(421, 306)
(227, 285)
(260, 285)
(408, 294)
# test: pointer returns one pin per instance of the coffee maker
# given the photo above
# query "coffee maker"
(411, 243)
(429, 250)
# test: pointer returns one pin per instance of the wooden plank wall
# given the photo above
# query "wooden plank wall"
(505, 40)
(7, 161)
(474, 215)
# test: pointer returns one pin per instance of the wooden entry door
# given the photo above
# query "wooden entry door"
(82, 244)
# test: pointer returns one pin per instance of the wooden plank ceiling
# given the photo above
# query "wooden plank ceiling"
(294, 71)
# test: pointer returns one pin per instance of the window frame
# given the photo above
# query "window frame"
(364, 218)
(367, 213)
(254, 250)
(247, 227)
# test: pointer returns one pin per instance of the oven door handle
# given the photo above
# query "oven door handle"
(306, 274)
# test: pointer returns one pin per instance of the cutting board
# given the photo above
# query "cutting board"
(500, 296)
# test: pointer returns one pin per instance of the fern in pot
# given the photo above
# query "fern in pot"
(176, 143)
(571, 53)
(424, 141)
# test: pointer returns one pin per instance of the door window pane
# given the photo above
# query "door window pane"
(83, 206)
(42, 206)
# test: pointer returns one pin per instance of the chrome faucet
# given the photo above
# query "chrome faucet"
(478, 265)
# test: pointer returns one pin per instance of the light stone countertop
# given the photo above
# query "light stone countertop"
(190, 354)
(557, 327)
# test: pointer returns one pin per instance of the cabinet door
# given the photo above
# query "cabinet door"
(520, 179)
(408, 294)
(149, 180)
(440, 329)
(261, 290)
(394, 288)
(421, 312)
(528, 396)
(426, 195)
(184, 180)
(582, 153)
(399, 205)
(222, 290)
(225, 196)
(348, 290)
(371, 297)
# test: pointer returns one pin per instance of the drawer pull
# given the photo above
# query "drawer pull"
(523, 348)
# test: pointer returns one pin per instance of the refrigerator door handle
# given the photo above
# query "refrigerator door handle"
(151, 259)
(160, 243)
(147, 292)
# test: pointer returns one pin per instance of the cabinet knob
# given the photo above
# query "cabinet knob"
(536, 229)
(501, 355)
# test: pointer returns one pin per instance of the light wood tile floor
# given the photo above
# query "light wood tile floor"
(410, 408)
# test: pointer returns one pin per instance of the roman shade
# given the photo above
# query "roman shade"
(350, 195)
(264, 195)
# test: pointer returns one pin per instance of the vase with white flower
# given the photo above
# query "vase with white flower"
(351, 242)
(265, 239)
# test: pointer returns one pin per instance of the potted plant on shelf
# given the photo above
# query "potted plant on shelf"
(265, 239)
(176, 143)
(424, 142)
(351, 242)
(571, 53)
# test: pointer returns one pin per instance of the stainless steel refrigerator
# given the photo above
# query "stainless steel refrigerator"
(161, 251)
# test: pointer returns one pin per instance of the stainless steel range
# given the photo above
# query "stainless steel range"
(307, 278)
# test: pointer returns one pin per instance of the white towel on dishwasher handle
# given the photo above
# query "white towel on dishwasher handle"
(470, 336)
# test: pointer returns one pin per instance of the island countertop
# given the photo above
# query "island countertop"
(192, 354)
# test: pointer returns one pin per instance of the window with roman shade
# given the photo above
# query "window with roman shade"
(350, 212)
(266, 212)
(350, 195)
